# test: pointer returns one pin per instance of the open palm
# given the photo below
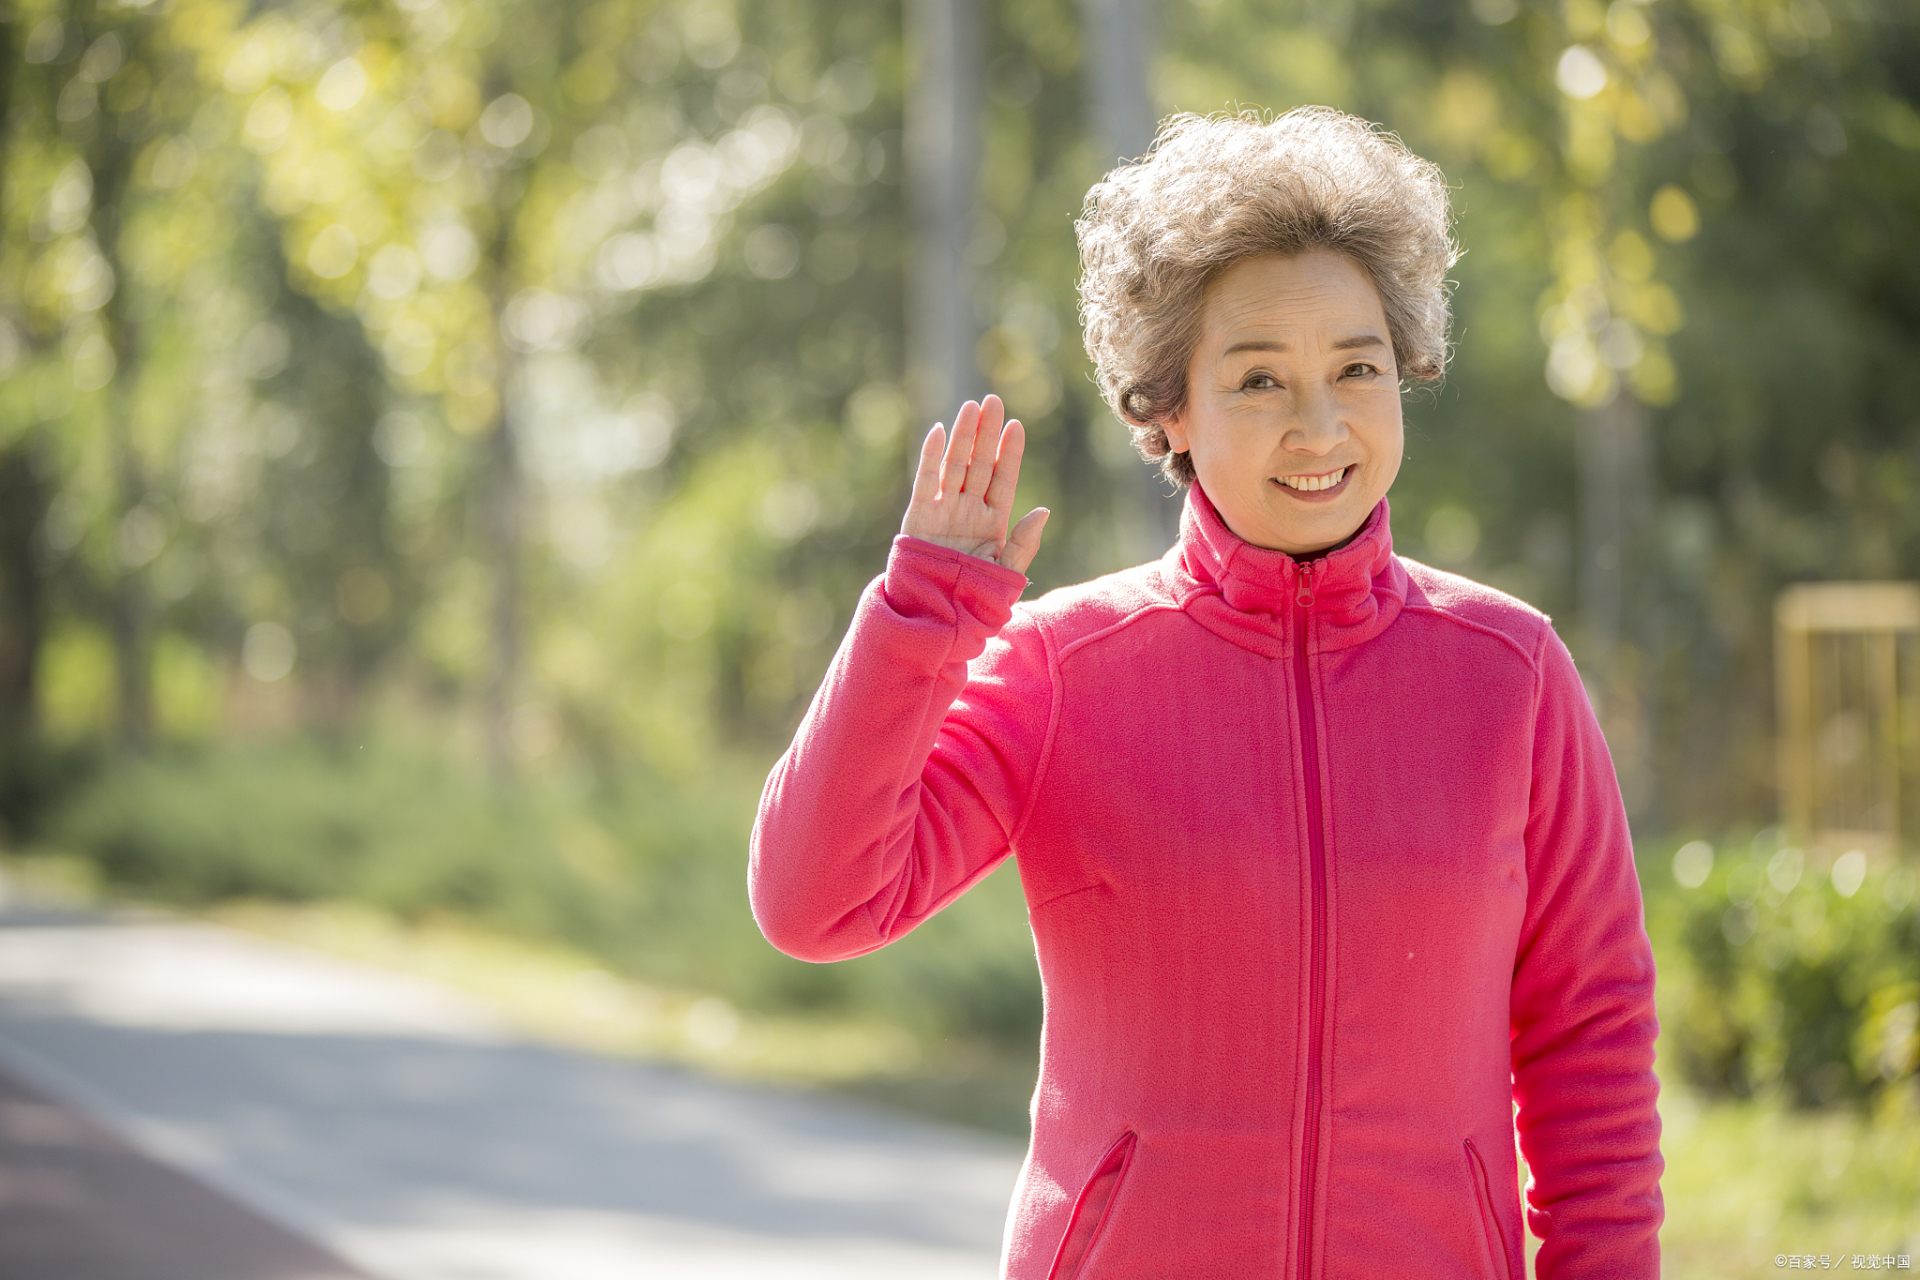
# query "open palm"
(963, 488)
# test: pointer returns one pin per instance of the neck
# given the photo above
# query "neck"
(1300, 557)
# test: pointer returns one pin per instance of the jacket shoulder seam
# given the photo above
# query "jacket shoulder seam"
(1530, 657)
(1539, 696)
(1119, 624)
(1047, 739)
(1056, 654)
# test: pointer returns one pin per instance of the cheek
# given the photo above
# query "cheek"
(1225, 456)
(1242, 446)
(1206, 430)
(1385, 433)
(1389, 467)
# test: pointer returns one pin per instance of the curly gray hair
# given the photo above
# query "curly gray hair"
(1217, 189)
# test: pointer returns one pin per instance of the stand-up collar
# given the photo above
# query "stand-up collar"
(1259, 598)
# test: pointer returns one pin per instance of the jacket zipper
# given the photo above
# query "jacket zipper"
(1317, 969)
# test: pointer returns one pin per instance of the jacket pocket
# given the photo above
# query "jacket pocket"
(1090, 1211)
(1489, 1220)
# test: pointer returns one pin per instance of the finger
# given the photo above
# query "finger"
(986, 447)
(926, 475)
(953, 469)
(1006, 469)
(1024, 541)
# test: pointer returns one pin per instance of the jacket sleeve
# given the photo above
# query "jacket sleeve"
(1583, 1017)
(908, 776)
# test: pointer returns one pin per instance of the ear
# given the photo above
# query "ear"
(1175, 429)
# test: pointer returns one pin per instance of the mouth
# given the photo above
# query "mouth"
(1321, 486)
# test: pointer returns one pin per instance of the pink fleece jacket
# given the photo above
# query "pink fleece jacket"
(1327, 871)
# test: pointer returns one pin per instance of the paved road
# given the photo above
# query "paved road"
(79, 1203)
(326, 1107)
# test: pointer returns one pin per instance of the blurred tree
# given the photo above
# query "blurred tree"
(1624, 171)
(23, 504)
(522, 197)
(550, 372)
(942, 160)
(1117, 44)
(92, 86)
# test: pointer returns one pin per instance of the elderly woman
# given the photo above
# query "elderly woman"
(1324, 855)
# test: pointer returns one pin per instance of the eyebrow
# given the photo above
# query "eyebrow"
(1355, 343)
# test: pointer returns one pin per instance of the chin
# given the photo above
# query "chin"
(1327, 530)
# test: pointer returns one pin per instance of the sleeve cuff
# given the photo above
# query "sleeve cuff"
(972, 587)
(906, 542)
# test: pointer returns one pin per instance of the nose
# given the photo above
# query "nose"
(1313, 424)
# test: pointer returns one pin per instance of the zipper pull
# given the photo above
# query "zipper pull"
(1304, 595)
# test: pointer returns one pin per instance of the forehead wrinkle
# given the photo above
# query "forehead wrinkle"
(1357, 342)
(1265, 309)
(1250, 325)
(1252, 312)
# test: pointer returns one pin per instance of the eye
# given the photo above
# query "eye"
(1258, 382)
(1361, 369)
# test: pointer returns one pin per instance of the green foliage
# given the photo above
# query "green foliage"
(1746, 1181)
(36, 780)
(1784, 974)
(551, 358)
(649, 877)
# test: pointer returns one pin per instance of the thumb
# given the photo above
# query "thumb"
(1024, 540)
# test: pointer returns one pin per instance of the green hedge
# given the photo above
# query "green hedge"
(1781, 970)
(649, 877)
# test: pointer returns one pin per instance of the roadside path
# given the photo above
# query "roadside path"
(325, 1107)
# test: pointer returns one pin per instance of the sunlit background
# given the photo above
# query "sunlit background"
(441, 442)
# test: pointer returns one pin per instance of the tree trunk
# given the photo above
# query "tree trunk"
(1121, 116)
(943, 162)
(501, 504)
(1618, 619)
(502, 494)
(110, 157)
(1118, 103)
(23, 504)
(130, 620)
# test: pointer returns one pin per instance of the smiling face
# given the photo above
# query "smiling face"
(1292, 417)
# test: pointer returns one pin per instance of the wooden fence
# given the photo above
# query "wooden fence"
(1847, 660)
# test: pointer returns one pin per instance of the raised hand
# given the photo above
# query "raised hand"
(963, 488)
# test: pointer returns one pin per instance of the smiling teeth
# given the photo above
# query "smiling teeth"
(1313, 484)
